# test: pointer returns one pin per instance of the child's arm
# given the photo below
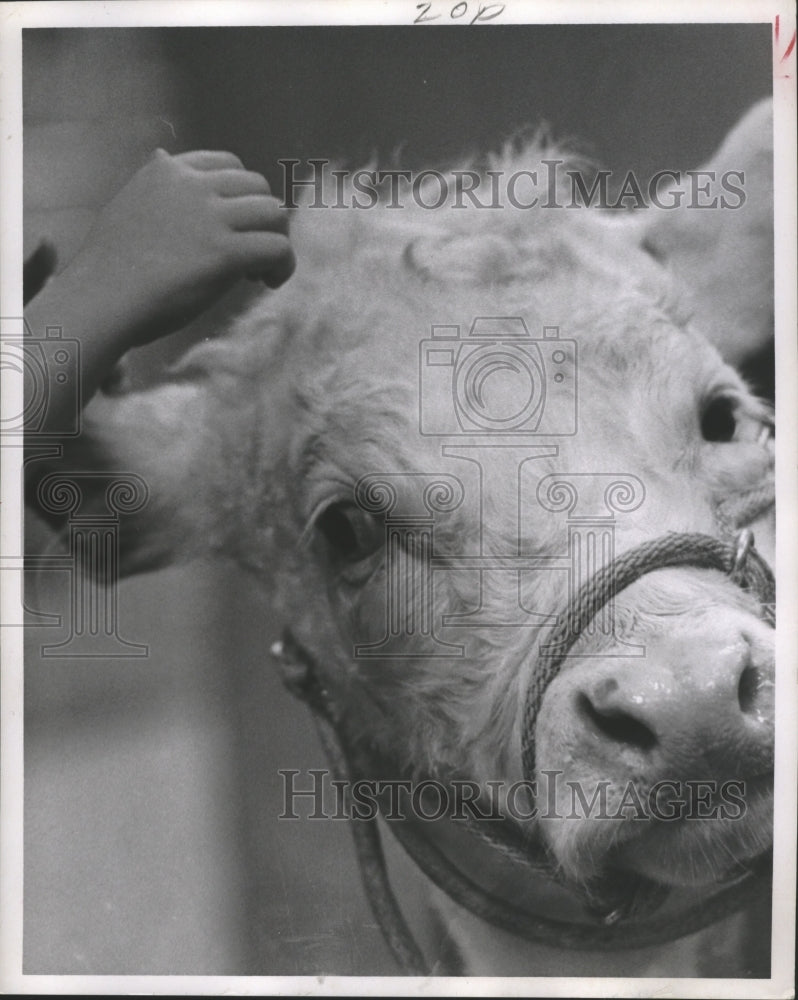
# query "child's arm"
(181, 232)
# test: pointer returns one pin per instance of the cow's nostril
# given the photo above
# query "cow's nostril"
(748, 689)
(617, 725)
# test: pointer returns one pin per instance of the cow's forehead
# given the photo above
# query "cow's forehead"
(391, 402)
(374, 345)
(372, 285)
(358, 352)
(379, 314)
(385, 303)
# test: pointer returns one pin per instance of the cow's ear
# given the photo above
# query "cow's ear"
(723, 255)
(151, 462)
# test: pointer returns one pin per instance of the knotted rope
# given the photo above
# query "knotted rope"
(612, 930)
(739, 560)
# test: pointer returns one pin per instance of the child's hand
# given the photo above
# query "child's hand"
(181, 232)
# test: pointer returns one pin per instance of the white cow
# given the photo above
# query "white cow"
(295, 442)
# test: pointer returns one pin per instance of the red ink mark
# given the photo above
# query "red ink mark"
(790, 45)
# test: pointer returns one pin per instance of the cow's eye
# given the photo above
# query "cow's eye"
(719, 419)
(351, 533)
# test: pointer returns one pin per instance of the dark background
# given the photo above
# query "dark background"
(633, 97)
(640, 97)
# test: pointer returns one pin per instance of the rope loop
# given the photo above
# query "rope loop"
(624, 917)
(739, 560)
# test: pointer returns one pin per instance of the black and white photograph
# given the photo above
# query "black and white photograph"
(399, 493)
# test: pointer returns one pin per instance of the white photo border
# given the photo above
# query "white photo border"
(15, 17)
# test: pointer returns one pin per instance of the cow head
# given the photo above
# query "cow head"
(306, 441)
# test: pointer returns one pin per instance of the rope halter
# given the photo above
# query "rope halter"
(633, 914)
(739, 560)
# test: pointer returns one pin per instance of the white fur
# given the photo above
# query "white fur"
(317, 386)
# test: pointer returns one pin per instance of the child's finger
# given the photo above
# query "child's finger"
(265, 255)
(208, 159)
(280, 271)
(234, 183)
(256, 212)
